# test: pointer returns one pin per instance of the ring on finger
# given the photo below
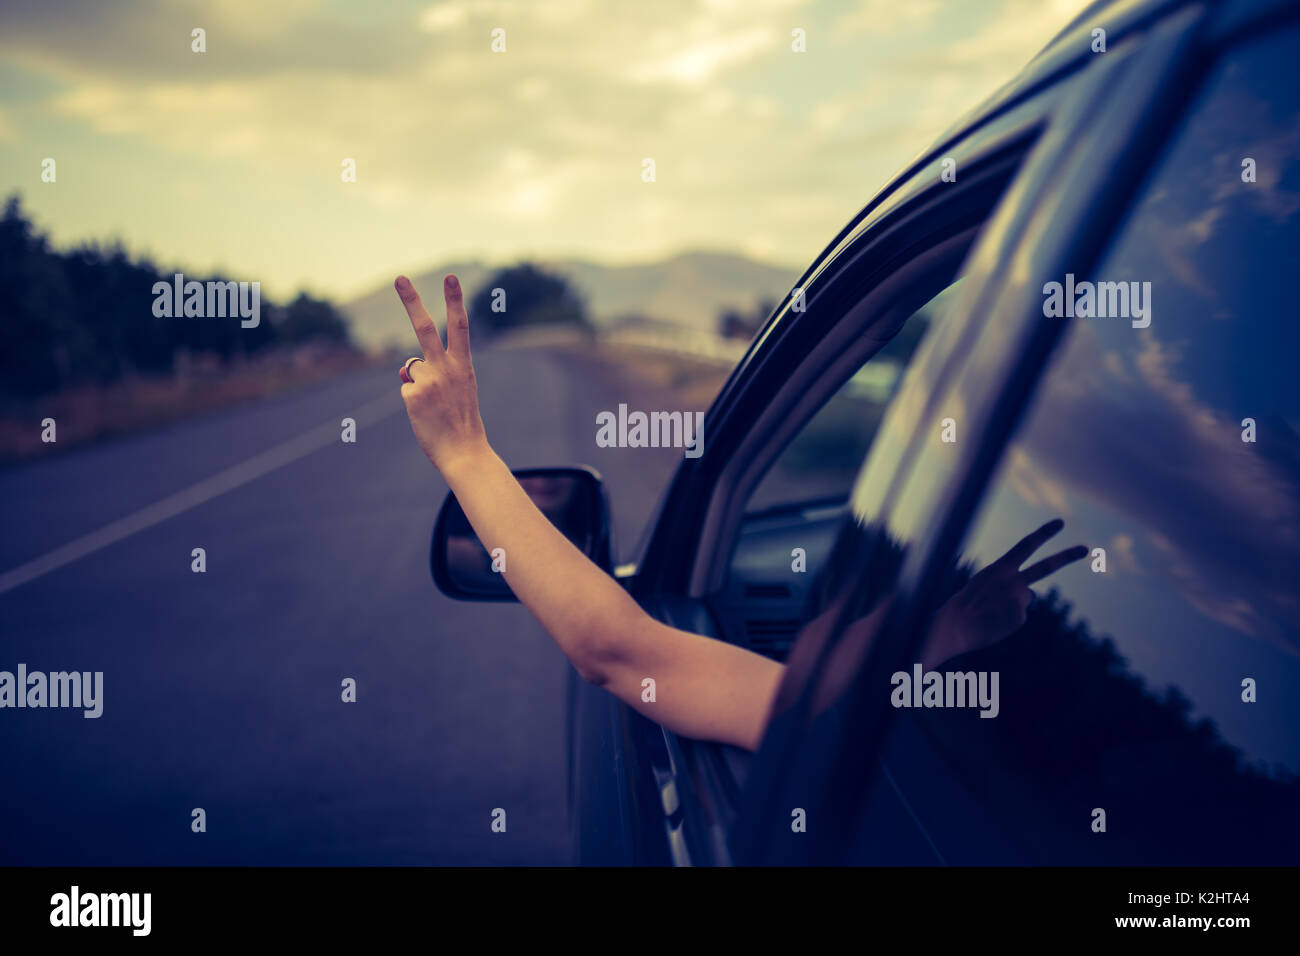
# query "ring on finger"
(406, 369)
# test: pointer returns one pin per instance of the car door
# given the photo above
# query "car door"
(838, 753)
(637, 788)
(715, 566)
(1139, 734)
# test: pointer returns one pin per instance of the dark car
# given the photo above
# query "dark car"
(1076, 305)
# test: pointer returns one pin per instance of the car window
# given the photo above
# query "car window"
(777, 571)
(822, 460)
(1148, 711)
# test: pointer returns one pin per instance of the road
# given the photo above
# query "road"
(222, 690)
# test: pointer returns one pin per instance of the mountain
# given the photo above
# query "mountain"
(688, 289)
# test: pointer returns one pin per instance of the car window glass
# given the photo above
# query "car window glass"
(822, 460)
(1148, 712)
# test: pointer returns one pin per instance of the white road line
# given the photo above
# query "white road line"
(196, 494)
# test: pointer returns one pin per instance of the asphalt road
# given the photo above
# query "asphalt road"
(222, 690)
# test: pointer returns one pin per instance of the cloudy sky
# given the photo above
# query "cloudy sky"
(231, 159)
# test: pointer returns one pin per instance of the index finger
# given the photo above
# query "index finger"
(421, 321)
(1030, 543)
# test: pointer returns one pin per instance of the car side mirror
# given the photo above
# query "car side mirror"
(572, 498)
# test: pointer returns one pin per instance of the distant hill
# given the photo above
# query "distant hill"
(689, 289)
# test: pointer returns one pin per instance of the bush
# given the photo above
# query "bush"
(85, 316)
(531, 297)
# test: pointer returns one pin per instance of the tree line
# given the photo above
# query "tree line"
(85, 316)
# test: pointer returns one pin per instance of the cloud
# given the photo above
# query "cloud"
(886, 17)
(750, 139)
(1222, 516)
(1122, 554)
(444, 16)
(697, 63)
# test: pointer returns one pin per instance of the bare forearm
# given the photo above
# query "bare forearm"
(582, 607)
(691, 684)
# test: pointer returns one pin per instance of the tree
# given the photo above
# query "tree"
(734, 323)
(308, 319)
(35, 303)
(84, 316)
(524, 295)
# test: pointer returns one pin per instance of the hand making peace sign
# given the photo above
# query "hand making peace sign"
(993, 603)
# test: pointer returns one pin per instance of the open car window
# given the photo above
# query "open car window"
(822, 460)
(786, 540)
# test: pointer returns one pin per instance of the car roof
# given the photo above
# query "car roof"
(1062, 55)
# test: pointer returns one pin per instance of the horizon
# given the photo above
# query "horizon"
(167, 268)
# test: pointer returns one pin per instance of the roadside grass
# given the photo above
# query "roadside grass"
(685, 382)
(199, 385)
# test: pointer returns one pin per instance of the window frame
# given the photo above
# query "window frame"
(851, 345)
(704, 504)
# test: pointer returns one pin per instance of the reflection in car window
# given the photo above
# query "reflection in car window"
(822, 460)
(1157, 680)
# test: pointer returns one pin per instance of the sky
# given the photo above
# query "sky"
(231, 160)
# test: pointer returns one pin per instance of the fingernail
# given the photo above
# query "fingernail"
(453, 284)
(402, 283)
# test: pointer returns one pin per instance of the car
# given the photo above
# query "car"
(945, 377)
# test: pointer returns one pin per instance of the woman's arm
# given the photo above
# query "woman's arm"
(704, 688)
